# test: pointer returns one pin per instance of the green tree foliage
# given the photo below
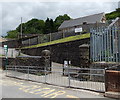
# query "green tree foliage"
(32, 27)
(113, 14)
(60, 19)
(36, 26)
(49, 26)
(12, 34)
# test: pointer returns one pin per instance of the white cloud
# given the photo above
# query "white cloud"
(13, 11)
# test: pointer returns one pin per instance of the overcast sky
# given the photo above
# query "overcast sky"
(12, 11)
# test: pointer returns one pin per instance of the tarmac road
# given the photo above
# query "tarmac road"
(14, 88)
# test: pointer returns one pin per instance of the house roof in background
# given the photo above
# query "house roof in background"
(2, 39)
(79, 21)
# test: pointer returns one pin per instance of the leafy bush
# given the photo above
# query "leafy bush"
(12, 34)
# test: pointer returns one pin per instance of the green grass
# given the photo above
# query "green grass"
(67, 39)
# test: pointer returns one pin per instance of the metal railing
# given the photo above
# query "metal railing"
(105, 43)
(115, 67)
(84, 78)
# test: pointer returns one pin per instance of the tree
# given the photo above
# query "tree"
(34, 26)
(113, 15)
(52, 25)
(49, 26)
(12, 34)
(118, 9)
(60, 19)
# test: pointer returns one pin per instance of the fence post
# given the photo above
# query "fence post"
(37, 39)
(28, 72)
(93, 45)
(101, 38)
(105, 82)
(118, 28)
(29, 42)
(14, 69)
(116, 43)
(68, 77)
(107, 49)
(50, 37)
(63, 35)
(111, 43)
(104, 32)
(45, 74)
(6, 70)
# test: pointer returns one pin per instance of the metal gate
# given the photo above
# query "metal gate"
(84, 78)
(105, 43)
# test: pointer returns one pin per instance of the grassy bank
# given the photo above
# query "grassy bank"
(67, 39)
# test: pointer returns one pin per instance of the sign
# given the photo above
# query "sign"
(5, 47)
(65, 64)
(69, 62)
(78, 29)
(5, 50)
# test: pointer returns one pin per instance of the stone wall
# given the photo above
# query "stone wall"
(38, 62)
(62, 51)
(100, 65)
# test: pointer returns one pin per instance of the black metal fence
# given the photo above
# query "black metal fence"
(105, 43)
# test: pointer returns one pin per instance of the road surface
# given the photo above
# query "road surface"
(15, 88)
